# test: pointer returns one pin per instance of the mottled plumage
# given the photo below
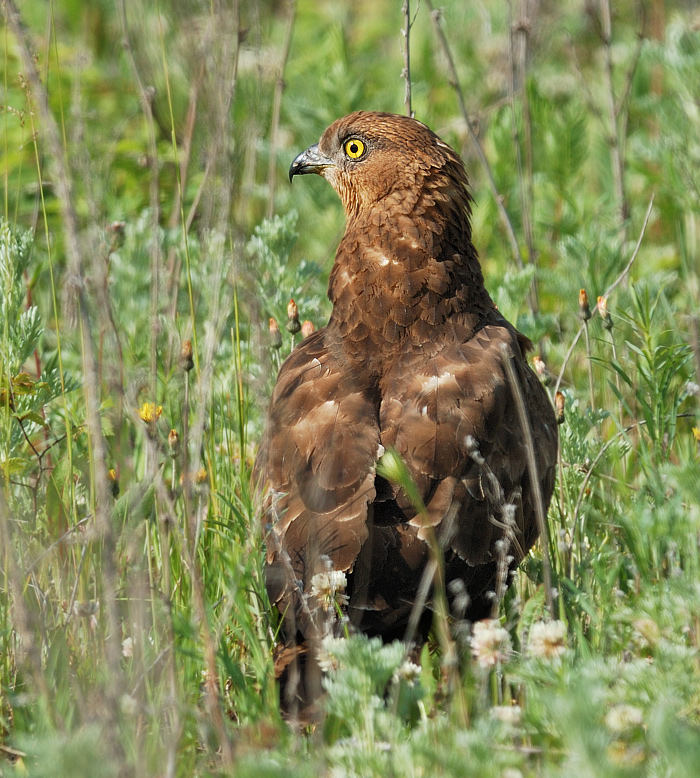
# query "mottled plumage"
(411, 359)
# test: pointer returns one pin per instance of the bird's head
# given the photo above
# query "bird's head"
(369, 156)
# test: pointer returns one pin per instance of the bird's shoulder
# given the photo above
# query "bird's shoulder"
(317, 461)
(440, 412)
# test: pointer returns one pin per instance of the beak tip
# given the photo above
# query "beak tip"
(309, 161)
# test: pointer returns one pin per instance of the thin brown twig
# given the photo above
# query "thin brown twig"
(406, 72)
(589, 359)
(276, 109)
(606, 294)
(146, 96)
(616, 152)
(540, 513)
(518, 33)
(455, 83)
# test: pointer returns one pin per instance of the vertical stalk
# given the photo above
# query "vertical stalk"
(406, 72)
(276, 108)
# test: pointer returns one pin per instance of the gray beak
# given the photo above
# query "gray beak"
(309, 161)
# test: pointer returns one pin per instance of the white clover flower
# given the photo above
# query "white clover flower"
(327, 588)
(507, 714)
(326, 657)
(547, 639)
(409, 672)
(128, 647)
(621, 718)
(128, 705)
(490, 643)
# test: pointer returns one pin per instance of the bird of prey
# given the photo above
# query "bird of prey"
(412, 359)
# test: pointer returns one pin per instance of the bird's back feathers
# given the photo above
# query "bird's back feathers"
(413, 359)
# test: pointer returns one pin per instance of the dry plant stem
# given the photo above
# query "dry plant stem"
(276, 107)
(606, 294)
(174, 263)
(589, 360)
(618, 385)
(455, 83)
(75, 284)
(15, 576)
(695, 343)
(540, 514)
(222, 30)
(434, 578)
(517, 60)
(406, 72)
(211, 692)
(146, 99)
(618, 162)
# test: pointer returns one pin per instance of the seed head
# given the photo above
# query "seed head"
(539, 365)
(293, 324)
(583, 306)
(116, 232)
(186, 354)
(113, 482)
(173, 443)
(559, 401)
(605, 313)
(275, 334)
(307, 328)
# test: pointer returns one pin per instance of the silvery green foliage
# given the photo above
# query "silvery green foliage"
(20, 327)
(368, 684)
(277, 277)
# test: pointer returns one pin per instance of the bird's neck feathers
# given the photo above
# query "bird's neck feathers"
(407, 265)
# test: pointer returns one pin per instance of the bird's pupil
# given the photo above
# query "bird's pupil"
(353, 148)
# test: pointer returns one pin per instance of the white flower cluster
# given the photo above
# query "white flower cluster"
(621, 718)
(547, 639)
(490, 643)
(409, 672)
(508, 714)
(327, 588)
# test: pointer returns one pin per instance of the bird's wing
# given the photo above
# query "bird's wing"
(445, 414)
(316, 467)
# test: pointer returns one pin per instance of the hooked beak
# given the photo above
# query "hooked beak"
(309, 161)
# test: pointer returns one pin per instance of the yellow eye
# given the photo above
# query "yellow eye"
(354, 148)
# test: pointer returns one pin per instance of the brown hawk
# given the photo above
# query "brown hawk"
(412, 359)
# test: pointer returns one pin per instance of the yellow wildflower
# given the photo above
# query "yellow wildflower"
(149, 412)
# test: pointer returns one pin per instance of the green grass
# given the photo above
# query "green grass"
(135, 632)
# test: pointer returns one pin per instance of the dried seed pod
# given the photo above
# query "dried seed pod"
(113, 482)
(293, 324)
(275, 334)
(541, 370)
(186, 355)
(605, 313)
(583, 306)
(559, 407)
(173, 443)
